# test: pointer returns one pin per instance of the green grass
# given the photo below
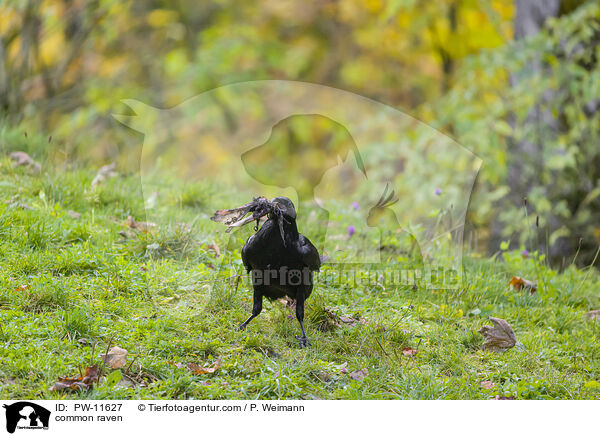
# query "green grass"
(70, 287)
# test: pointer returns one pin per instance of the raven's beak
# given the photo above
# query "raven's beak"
(280, 219)
(281, 232)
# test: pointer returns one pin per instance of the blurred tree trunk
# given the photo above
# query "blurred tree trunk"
(525, 156)
(529, 19)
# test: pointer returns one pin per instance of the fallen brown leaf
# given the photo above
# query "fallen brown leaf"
(74, 384)
(214, 247)
(23, 288)
(198, 370)
(487, 384)
(499, 337)
(20, 158)
(323, 376)
(288, 302)
(519, 283)
(342, 368)
(115, 358)
(333, 320)
(593, 314)
(21, 205)
(407, 351)
(104, 173)
(359, 375)
(140, 226)
(352, 320)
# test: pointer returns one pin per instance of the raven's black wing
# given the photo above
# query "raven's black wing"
(309, 253)
(245, 253)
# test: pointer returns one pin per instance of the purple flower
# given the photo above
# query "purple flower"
(351, 230)
(438, 191)
(355, 205)
(525, 253)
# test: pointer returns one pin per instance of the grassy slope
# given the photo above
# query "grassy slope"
(150, 294)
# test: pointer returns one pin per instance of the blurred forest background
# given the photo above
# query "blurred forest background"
(516, 82)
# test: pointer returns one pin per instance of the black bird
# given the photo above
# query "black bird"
(279, 258)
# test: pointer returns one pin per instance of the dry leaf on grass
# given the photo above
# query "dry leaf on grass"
(23, 288)
(359, 375)
(519, 283)
(487, 384)
(323, 376)
(214, 247)
(20, 158)
(288, 302)
(352, 320)
(407, 351)
(499, 337)
(115, 358)
(104, 173)
(74, 384)
(198, 370)
(17, 204)
(342, 367)
(333, 320)
(593, 314)
(140, 226)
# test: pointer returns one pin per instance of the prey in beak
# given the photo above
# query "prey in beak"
(232, 218)
(258, 208)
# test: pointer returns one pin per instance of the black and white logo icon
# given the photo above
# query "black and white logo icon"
(26, 415)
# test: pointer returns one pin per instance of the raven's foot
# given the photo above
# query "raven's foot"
(242, 327)
(303, 341)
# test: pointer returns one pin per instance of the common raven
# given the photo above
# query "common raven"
(280, 260)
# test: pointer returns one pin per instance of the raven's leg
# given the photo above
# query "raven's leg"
(300, 315)
(256, 308)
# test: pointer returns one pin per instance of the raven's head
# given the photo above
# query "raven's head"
(285, 206)
(280, 209)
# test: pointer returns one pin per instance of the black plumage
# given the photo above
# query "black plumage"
(280, 260)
